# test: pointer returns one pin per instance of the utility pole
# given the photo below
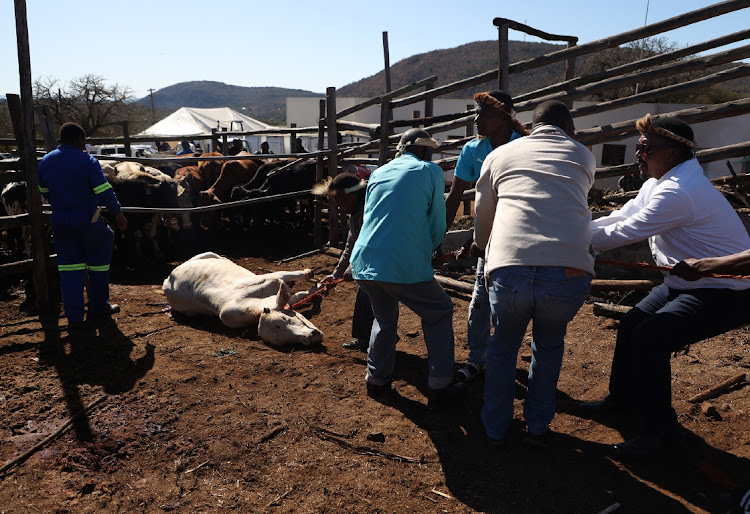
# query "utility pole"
(153, 111)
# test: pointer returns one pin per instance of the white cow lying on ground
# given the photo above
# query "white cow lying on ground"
(213, 285)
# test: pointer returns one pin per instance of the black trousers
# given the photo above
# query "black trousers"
(662, 323)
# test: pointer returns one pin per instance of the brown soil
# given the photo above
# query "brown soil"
(197, 417)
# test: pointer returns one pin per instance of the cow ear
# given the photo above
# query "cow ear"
(282, 298)
(266, 310)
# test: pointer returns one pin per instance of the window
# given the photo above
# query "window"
(613, 155)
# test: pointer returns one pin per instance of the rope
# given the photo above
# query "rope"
(646, 265)
(323, 290)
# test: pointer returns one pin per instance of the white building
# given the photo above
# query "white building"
(711, 134)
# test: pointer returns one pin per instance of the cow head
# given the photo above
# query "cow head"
(281, 325)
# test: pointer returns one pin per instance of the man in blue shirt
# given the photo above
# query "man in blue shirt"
(404, 221)
(73, 182)
(496, 126)
(186, 150)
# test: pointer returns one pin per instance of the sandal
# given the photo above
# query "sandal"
(468, 372)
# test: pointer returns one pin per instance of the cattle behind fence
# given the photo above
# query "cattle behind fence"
(566, 90)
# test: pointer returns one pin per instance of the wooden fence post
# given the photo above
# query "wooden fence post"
(44, 115)
(429, 106)
(293, 139)
(48, 315)
(570, 70)
(126, 135)
(503, 60)
(318, 201)
(333, 163)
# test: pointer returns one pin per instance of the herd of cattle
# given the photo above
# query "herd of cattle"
(172, 185)
(237, 296)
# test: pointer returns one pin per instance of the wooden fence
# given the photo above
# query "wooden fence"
(571, 87)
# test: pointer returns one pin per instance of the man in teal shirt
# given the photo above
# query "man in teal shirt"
(496, 126)
(404, 221)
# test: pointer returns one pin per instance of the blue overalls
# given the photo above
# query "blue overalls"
(75, 185)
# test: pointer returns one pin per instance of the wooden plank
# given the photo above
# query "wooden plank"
(47, 315)
(653, 94)
(319, 171)
(333, 219)
(44, 115)
(503, 60)
(532, 31)
(648, 62)
(388, 96)
(456, 285)
(19, 220)
(625, 129)
(666, 70)
(604, 285)
(587, 48)
(610, 310)
(718, 388)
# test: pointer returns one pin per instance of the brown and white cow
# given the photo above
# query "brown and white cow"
(212, 285)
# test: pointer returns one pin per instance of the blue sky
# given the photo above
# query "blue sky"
(285, 43)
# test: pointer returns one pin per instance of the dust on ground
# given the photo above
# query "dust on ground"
(187, 415)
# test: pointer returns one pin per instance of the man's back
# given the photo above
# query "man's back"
(537, 189)
(404, 220)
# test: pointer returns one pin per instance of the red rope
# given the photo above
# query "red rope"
(323, 290)
(646, 265)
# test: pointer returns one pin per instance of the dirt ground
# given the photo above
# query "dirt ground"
(187, 415)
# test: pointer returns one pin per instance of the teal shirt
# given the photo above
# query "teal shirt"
(404, 221)
(472, 157)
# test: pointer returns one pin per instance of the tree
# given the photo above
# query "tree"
(632, 52)
(89, 101)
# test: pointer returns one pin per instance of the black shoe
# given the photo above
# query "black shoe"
(357, 344)
(445, 397)
(606, 406)
(468, 372)
(542, 440)
(113, 309)
(381, 393)
(75, 326)
(496, 443)
(644, 446)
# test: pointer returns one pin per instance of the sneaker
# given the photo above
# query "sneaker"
(468, 372)
(381, 393)
(445, 397)
(357, 344)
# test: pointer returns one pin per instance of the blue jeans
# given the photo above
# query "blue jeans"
(435, 308)
(550, 297)
(363, 317)
(478, 333)
(662, 323)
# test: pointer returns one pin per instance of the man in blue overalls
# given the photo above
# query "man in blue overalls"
(73, 182)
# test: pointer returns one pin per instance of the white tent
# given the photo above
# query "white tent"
(191, 122)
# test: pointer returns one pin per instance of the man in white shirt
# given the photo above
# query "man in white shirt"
(683, 216)
(532, 223)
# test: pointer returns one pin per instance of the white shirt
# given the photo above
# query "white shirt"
(683, 215)
(531, 204)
